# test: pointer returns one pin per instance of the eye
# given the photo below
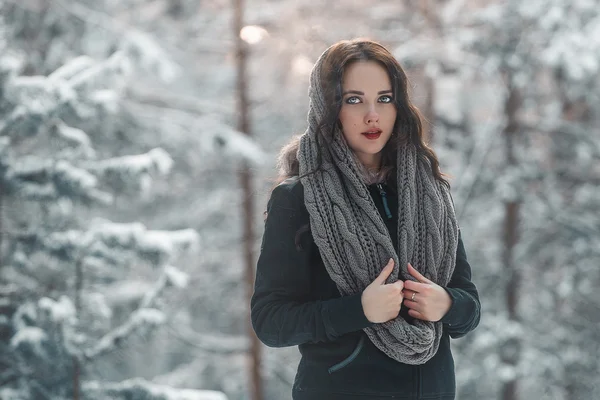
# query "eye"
(386, 99)
(352, 100)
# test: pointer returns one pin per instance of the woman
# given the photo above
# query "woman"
(361, 263)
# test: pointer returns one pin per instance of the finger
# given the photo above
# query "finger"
(385, 273)
(417, 315)
(413, 305)
(399, 284)
(414, 286)
(417, 274)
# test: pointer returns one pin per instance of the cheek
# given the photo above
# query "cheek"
(343, 118)
(348, 120)
(391, 115)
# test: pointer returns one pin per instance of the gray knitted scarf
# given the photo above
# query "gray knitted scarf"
(352, 237)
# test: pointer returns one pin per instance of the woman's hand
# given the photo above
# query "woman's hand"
(430, 301)
(381, 302)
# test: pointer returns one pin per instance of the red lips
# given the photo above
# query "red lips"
(372, 131)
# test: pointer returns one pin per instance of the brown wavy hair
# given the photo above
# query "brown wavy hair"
(407, 128)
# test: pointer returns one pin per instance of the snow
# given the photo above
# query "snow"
(72, 68)
(140, 388)
(549, 49)
(141, 320)
(97, 302)
(111, 72)
(60, 311)
(176, 277)
(68, 240)
(148, 316)
(216, 136)
(450, 101)
(4, 144)
(506, 373)
(107, 99)
(78, 179)
(155, 161)
(142, 48)
(122, 292)
(73, 135)
(117, 234)
(12, 394)
(169, 241)
(31, 336)
(29, 90)
(10, 64)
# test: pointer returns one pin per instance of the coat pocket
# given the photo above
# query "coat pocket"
(350, 358)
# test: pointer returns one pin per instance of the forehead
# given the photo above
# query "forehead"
(366, 74)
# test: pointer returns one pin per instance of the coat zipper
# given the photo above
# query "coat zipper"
(384, 198)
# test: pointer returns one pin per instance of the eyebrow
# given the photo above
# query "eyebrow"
(362, 93)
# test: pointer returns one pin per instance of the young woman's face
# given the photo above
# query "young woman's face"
(367, 106)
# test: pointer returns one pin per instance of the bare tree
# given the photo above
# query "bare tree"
(245, 176)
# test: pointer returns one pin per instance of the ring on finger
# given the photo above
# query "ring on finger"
(412, 298)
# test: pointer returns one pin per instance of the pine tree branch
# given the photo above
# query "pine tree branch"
(176, 101)
(222, 344)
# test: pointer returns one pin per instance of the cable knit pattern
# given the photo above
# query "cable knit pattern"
(353, 239)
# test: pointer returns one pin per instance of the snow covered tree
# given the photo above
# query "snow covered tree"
(542, 59)
(60, 258)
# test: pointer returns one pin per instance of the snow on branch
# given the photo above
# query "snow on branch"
(219, 137)
(171, 277)
(169, 242)
(32, 337)
(144, 50)
(111, 72)
(104, 237)
(156, 160)
(38, 94)
(140, 321)
(141, 389)
(73, 180)
(4, 146)
(10, 65)
(74, 136)
(139, 46)
(135, 235)
(80, 86)
(210, 343)
(41, 178)
(61, 178)
(59, 311)
(72, 68)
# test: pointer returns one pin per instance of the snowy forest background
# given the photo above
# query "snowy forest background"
(128, 187)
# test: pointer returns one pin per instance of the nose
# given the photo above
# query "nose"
(371, 117)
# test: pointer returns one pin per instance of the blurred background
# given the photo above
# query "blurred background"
(138, 141)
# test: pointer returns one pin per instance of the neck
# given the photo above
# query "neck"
(372, 162)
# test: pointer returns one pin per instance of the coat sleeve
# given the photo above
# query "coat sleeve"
(283, 312)
(464, 313)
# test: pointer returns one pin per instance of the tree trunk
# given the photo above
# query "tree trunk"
(1, 221)
(245, 175)
(78, 292)
(510, 353)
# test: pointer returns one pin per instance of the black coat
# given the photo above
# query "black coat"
(295, 302)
